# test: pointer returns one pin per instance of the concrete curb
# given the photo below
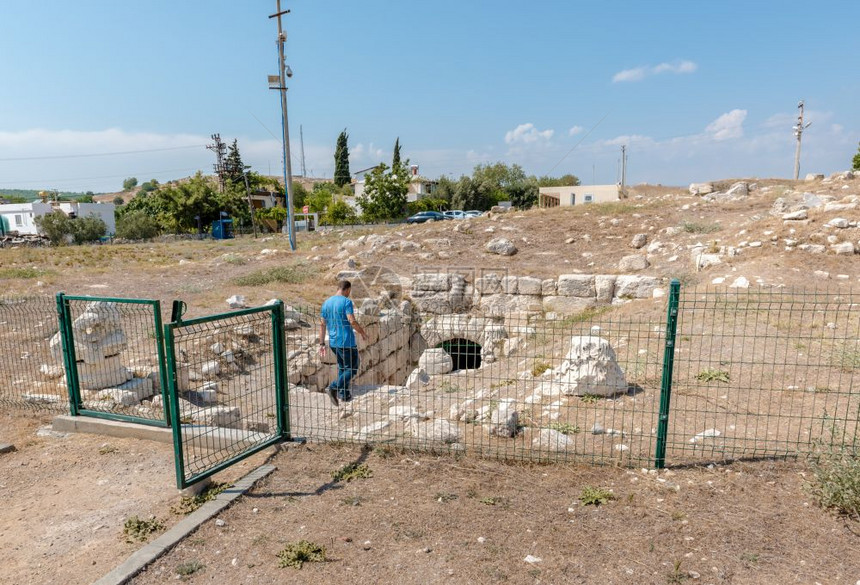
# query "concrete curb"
(161, 545)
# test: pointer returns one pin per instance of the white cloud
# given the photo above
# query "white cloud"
(575, 130)
(527, 133)
(640, 73)
(836, 128)
(729, 125)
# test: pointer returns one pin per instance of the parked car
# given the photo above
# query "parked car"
(456, 214)
(423, 216)
(474, 213)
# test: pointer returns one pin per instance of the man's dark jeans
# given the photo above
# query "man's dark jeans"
(347, 368)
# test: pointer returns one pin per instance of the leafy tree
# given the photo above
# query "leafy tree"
(340, 212)
(137, 225)
(384, 194)
(300, 195)
(445, 189)
(129, 184)
(524, 195)
(341, 160)
(56, 226)
(118, 201)
(149, 186)
(567, 180)
(88, 229)
(471, 194)
(321, 197)
(85, 199)
(426, 204)
(856, 161)
(395, 160)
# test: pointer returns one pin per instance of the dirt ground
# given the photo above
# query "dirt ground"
(65, 499)
(426, 519)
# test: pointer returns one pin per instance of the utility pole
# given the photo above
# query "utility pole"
(623, 167)
(798, 131)
(220, 149)
(283, 73)
(302, 141)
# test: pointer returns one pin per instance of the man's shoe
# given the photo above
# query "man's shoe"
(346, 396)
(332, 394)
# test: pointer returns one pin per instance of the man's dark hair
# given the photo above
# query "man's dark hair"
(344, 285)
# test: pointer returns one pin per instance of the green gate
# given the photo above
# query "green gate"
(113, 352)
(227, 386)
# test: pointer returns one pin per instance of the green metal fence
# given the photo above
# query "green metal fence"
(764, 373)
(31, 357)
(114, 355)
(227, 388)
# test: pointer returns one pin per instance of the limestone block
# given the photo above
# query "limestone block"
(796, 215)
(51, 372)
(630, 286)
(633, 263)
(501, 246)
(504, 305)
(529, 285)
(701, 188)
(433, 281)
(436, 361)
(590, 367)
(639, 241)
(109, 373)
(417, 379)
(417, 345)
(548, 287)
(503, 420)
(551, 440)
(843, 248)
(437, 431)
(509, 285)
(605, 287)
(576, 285)
(211, 368)
(489, 284)
(567, 305)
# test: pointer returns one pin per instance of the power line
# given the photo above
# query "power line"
(64, 156)
(578, 143)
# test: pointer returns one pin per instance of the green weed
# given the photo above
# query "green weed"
(24, 273)
(139, 530)
(589, 398)
(444, 497)
(835, 483)
(692, 227)
(564, 428)
(189, 568)
(539, 368)
(713, 376)
(298, 553)
(352, 471)
(297, 274)
(190, 503)
(592, 496)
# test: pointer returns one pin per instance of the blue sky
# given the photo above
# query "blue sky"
(697, 90)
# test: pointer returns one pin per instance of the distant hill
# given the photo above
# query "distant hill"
(33, 194)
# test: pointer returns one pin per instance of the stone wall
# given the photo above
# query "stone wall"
(497, 295)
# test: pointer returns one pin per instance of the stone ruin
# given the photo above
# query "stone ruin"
(104, 379)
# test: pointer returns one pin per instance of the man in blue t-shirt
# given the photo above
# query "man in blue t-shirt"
(338, 319)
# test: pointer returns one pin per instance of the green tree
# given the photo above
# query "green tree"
(321, 197)
(129, 184)
(471, 194)
(856, 161)
(445, 188)
(137, 225)
(567, 180)
(341, 160)
(234, 168)
(384, 194)
(149, 186)
(395, 160)
(56, 226)
(339, 213)
(300, 195)
(118, 201)
(88, 229)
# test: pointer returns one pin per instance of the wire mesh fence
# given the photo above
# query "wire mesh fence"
(115, 346)
(514, 385)
(227, 377)
(764, 373)
(31, 358)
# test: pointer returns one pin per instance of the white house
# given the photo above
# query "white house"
(419, 187)
(578, 195)
(21, 217)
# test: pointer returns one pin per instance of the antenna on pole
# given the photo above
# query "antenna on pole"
(220, 149)
(623, 168)
(302, 141)
(798, 128)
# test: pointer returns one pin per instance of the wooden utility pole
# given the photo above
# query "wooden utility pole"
(623, 167)
(798, 131)
(283, 73)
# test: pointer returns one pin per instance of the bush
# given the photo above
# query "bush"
(88, 229)
(426, 204)
(56, 226)
(137, 225)
(836, 476)
(340, 212)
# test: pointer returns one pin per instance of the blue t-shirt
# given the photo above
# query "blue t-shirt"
(334, 311)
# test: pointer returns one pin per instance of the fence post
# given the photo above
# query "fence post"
(282, 397)
(173, 394)
(668, 366)
(69, 360)
(162, 361)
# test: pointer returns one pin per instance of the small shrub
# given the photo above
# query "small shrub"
(692, 227)
(189, 568)
(592, 496)
(713, 376)
(287, 274)
(564, 428)
(139, 530)
(590, 398)
(23, 273)
(444, 497)
(835, 482)
(190, 503)
(298, 553)
(352, 471)
(583, 316)
(137, 225)
(539, 368)
(106, 449)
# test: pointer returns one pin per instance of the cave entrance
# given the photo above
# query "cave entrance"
(465, 354)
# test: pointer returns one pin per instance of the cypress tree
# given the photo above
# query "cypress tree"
(341, 160)
(395, 161)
